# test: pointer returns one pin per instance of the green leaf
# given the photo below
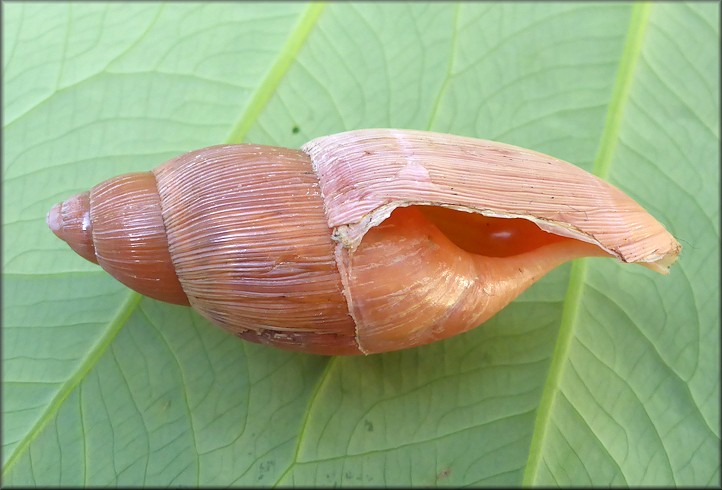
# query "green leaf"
(599, 374)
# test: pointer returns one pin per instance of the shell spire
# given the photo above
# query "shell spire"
(118, 225)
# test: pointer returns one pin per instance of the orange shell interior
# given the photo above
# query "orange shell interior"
(428, 273)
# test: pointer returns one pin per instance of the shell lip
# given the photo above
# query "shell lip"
(355, 199)
(350, 235)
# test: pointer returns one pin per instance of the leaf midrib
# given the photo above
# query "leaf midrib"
(628, 63)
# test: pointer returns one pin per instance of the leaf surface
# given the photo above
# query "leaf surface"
(599, 374)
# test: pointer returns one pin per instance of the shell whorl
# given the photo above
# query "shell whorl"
(249, 240)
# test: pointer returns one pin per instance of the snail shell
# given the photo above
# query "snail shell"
(361, 242)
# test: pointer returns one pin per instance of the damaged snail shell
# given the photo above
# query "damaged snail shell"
(361, 242)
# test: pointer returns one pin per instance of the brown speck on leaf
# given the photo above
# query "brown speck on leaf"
(443, 474)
